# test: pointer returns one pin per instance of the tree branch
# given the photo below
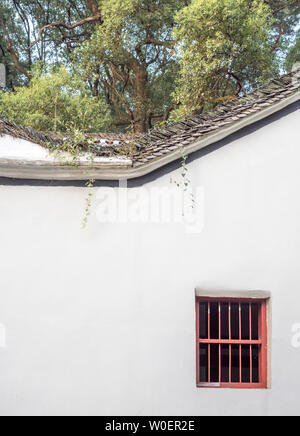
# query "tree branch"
(292, 3)
(238, 80)
(278, 39)
(10, 49)
(93, 6)
(148, 41)
(66, 26)
(169, 110)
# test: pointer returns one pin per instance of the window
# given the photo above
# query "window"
(231, 343)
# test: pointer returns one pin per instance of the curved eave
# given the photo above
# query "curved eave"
(53, 170)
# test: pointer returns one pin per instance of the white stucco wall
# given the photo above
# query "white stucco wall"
(102, 321)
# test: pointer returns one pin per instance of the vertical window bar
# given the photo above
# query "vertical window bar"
(251, 371)
(230, 359)
(219, 321)
(259, 337)
(229, 327)
(198, 363)
(240, 359)
(263, 335)
(229, 320)
(208, 318)
(240, 336)
(209, 363)
(220, 363)
(250, 335)
(250, 320)
(220, 352)
(240, 321)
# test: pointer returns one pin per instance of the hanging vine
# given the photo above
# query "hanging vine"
(185, 182)
(69, 153)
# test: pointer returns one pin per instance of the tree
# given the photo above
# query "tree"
(128, 53)
(285, 18)
(130, 58)
(293, 56)
(20, 24)
(226, 47)
(55, 101)
(129, 71)
(11, 36)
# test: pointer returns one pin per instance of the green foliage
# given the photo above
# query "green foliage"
(55, 101)
(23, 19)
(131, 58)
(286, 16)
(293, 56)
(185, 183)
(225, 46)
(88, 203)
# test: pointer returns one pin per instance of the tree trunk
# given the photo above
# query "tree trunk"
(15, 57)
(142, 99)
(141, 124)
(93, 6)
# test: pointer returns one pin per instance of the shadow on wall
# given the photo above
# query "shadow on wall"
(134, 183)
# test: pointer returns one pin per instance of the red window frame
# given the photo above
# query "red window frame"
(262, 343)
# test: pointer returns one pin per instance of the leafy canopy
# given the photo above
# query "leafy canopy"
(55, 101)
(141, 60)
(293, 56)
(225, 46)
(130, 58)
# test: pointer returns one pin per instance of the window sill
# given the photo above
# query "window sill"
(231, 386)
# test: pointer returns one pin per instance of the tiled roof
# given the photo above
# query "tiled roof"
(160, 143)
(172, 137)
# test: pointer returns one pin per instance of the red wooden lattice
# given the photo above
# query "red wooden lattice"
(231, 343)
